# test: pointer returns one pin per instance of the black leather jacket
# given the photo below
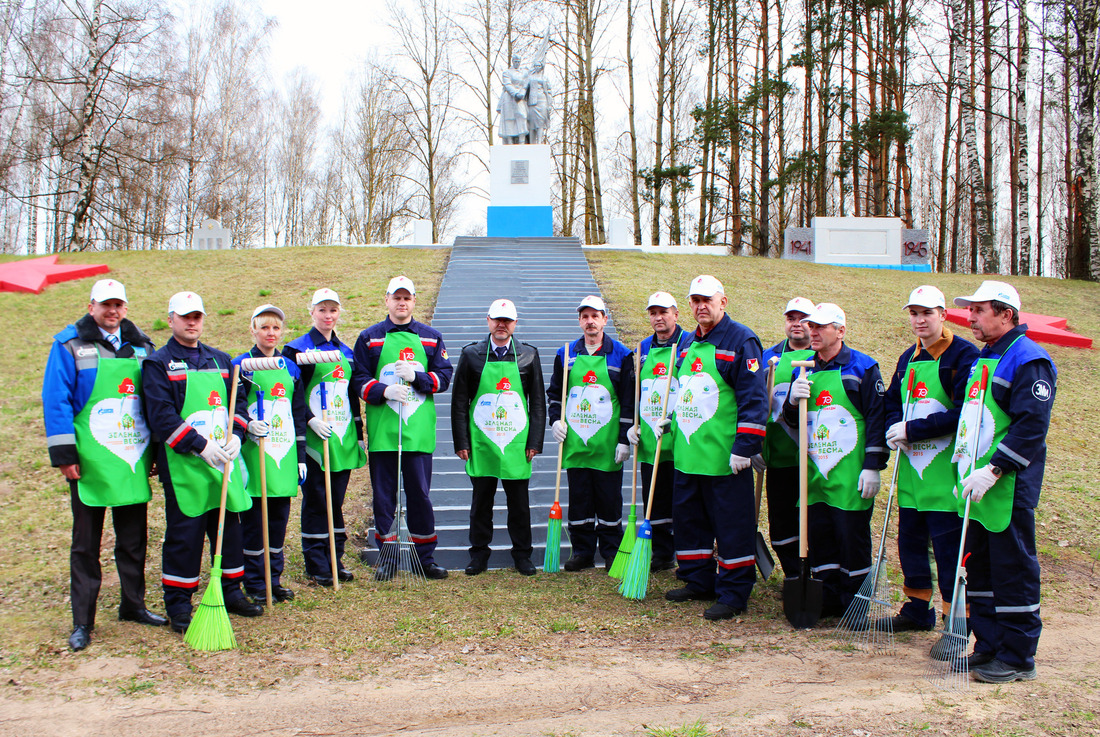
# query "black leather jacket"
(468, 375)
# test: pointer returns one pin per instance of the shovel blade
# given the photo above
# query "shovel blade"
(764, 561)
(802, 599)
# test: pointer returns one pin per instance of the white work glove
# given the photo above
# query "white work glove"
(664, 425)
(739, 463)
(559, 430)
(870, 481)
(214, 454)
(632, 434)
(259, 428)
(301, 472)
(758, 464)
(322, 428)
(896, 437)
(978, 483)
(800, 389)
(404, 370)
(622, 452)
(232, 446)
(397, 393)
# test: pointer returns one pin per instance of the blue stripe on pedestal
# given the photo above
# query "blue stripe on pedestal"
(520, 222)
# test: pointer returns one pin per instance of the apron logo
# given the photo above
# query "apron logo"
(501, 414)
(973, 391)
(214, 400)
(126, 387)
(1041, 390)
(697, 365)
(824, 399)
(338, 372)
(921, 391)
(753, 365)
(407, 354)
(660, 369)
(504, 385)
(590, 378)
(278, 390)
(585, 406)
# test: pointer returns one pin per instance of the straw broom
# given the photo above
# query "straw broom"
(551, 563)
(210, 628)
(622, 558)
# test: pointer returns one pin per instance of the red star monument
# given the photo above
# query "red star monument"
(32, 275)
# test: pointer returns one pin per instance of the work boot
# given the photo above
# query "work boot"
(525, 567)
(180, 622)
(244, 607)
(435, 572)
(476, 566)
(385, 571)
(972, 661)
(685, 594)
(721, 611)
(81, 636)
(997, 671)
(577, 563)
(900, 623)
(279, 594)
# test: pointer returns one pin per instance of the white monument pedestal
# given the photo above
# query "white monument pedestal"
(519, 192)
(868, 242)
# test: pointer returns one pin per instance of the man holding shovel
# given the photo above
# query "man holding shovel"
(658, 363)
(187, 390)
(599, 407)
(1009, 460)
(921, 424)
(498, 412)
(847, 448)
(400, 365)
(721, 411)
(98, 439)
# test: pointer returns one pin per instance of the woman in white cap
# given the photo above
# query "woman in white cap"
(344, 432)
(283, 425)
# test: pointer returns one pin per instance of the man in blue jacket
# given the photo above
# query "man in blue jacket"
(98, 439)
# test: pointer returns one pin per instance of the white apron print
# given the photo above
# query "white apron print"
(118, 425)
(211, 424)
(697, 403)
(281, 438)
(338, 413)
(588, 409)
(653, 392)
(921, 453)
(416, 399)
(501, 417)
(968, 435)
(833, 435)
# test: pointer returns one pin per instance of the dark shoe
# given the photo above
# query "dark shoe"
(662, 565)
(278, 593)
(996, 671)
(81, 636)
(899, 623)
(949, 647)
(244, 607)
(384, 572)
(525, 567)
(972, 662)
(435, 572)
(180, 623)
(577, 563)
(345, 575)
(720, 611)
(685, 594)
(325, 581)
(476, 566)
(144, 616)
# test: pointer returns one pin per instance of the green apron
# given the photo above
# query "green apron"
(837, 442)
(591, 410)
(981, 430)
(706, 415)
(780, 443)
(198, 487)
(498, 423)
(418, 415)
(926, 476)
(277, 387)
(343, 446)
(112, 438)
(657, 371)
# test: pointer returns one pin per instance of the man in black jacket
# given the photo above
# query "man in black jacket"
(498, 430)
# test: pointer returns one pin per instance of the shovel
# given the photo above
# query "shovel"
(765, 563)
(802, 594)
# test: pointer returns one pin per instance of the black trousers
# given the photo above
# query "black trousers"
(664, 550)
(782, 486)
(481, 516)
(252, 532)
(840, 553)
(86, 576)
(315, 547)
(595, 512)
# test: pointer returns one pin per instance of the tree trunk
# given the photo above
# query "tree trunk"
(635, 205)
(945, 157)
(89, 164)
(762, 246)
(658, 143)
(1022, 61)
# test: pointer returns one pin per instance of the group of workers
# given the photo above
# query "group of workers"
(118, 410)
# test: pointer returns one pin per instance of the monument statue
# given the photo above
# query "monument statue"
(524, 104)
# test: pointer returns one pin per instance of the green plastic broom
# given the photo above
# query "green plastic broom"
(622, 558)
(552, 562)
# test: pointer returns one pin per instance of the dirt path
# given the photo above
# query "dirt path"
(785, 683)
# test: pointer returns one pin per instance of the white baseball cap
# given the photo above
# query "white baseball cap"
(401, 282)
(991, 291)
(926, 296)
(594, 302)
(106, 289)
(705, 285)
(661, 299)
(184, 303)
(799, 304)
(324, 295)
(262, 309)
(826, 313)
(503, 309)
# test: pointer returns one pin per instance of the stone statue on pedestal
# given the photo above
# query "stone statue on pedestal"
(524, 104)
